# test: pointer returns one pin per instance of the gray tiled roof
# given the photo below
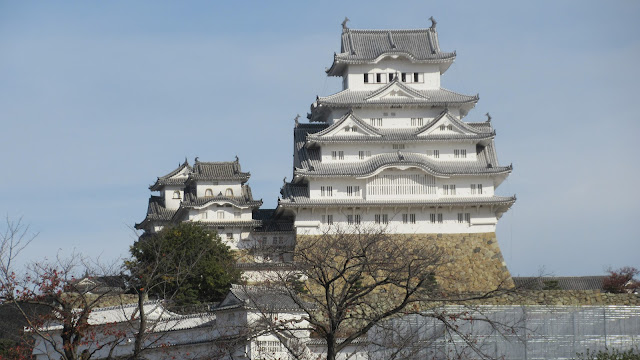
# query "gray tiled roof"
(229, 170)
(156, 212)
(562, 282)
(272, 221)
(478, 131)
(191, 200)
(298, 195)
(351, 98)
(373, 164)
(213, 171)
(308, 161)
(263, 298)
(231, 223)
(366, 46)
(166, 179)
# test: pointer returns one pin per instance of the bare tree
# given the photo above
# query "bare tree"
(50, 301)
(349, 280)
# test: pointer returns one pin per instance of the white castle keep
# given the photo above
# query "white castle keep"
(390, 149)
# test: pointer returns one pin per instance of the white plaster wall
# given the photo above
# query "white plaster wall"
(218, 187)
(339, 187)
(351, 150)
(482, 219)
(169, 201)
(228, 211)
(429, 72)
(396, 117)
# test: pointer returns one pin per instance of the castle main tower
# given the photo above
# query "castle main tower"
(393, 149)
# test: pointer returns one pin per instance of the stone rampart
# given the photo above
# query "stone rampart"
(474, 264)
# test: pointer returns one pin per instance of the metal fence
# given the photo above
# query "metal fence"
(507, 332)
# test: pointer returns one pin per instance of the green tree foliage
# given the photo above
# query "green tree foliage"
(185, 263)
(612, 354)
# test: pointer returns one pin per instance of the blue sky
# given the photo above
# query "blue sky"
(99, 98)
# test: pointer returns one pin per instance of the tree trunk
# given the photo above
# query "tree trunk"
(331, 347)
(142, 326)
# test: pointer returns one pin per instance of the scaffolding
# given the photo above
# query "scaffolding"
(507, 332)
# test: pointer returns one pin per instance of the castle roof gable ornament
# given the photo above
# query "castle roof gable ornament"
(344, 24)
(488, 117)
(433, 23)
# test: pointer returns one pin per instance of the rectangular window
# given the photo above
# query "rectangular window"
(330, 191)
(436, 154)
(220, 215)
(479, 188)
(349, 190)
(432, 218)
(449, 127)
(404, 77)
(364, 154)
(327, 219)
(334, 155)
(473, 189)
(378, 78)
(417, 121)
(467, 218)
(366, 78)
(460, 218)
(381, 218)
(415, 77)
(391, 75)
(440, 219)
(230, 236)
(459, 153)
(412, 218)
(448, 189)
(340, 155)
(353, 190)
(357, 219)
(322, 191)
(275, 240)
(204, 215)
(350, 219)
(405, 218)
(236, 214)
(376, 121)
(443, 127)
(398, 146)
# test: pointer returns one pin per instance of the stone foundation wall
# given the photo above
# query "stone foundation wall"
(474, 264)
(471, 262)
(561, 297)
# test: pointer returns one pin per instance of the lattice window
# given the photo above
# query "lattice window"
(459, 153)
(448, 189)
(269, 347)
(326, 190)
(375, 121)
(436, 154)
(353, 190)
(417, 121)
(415, 184)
